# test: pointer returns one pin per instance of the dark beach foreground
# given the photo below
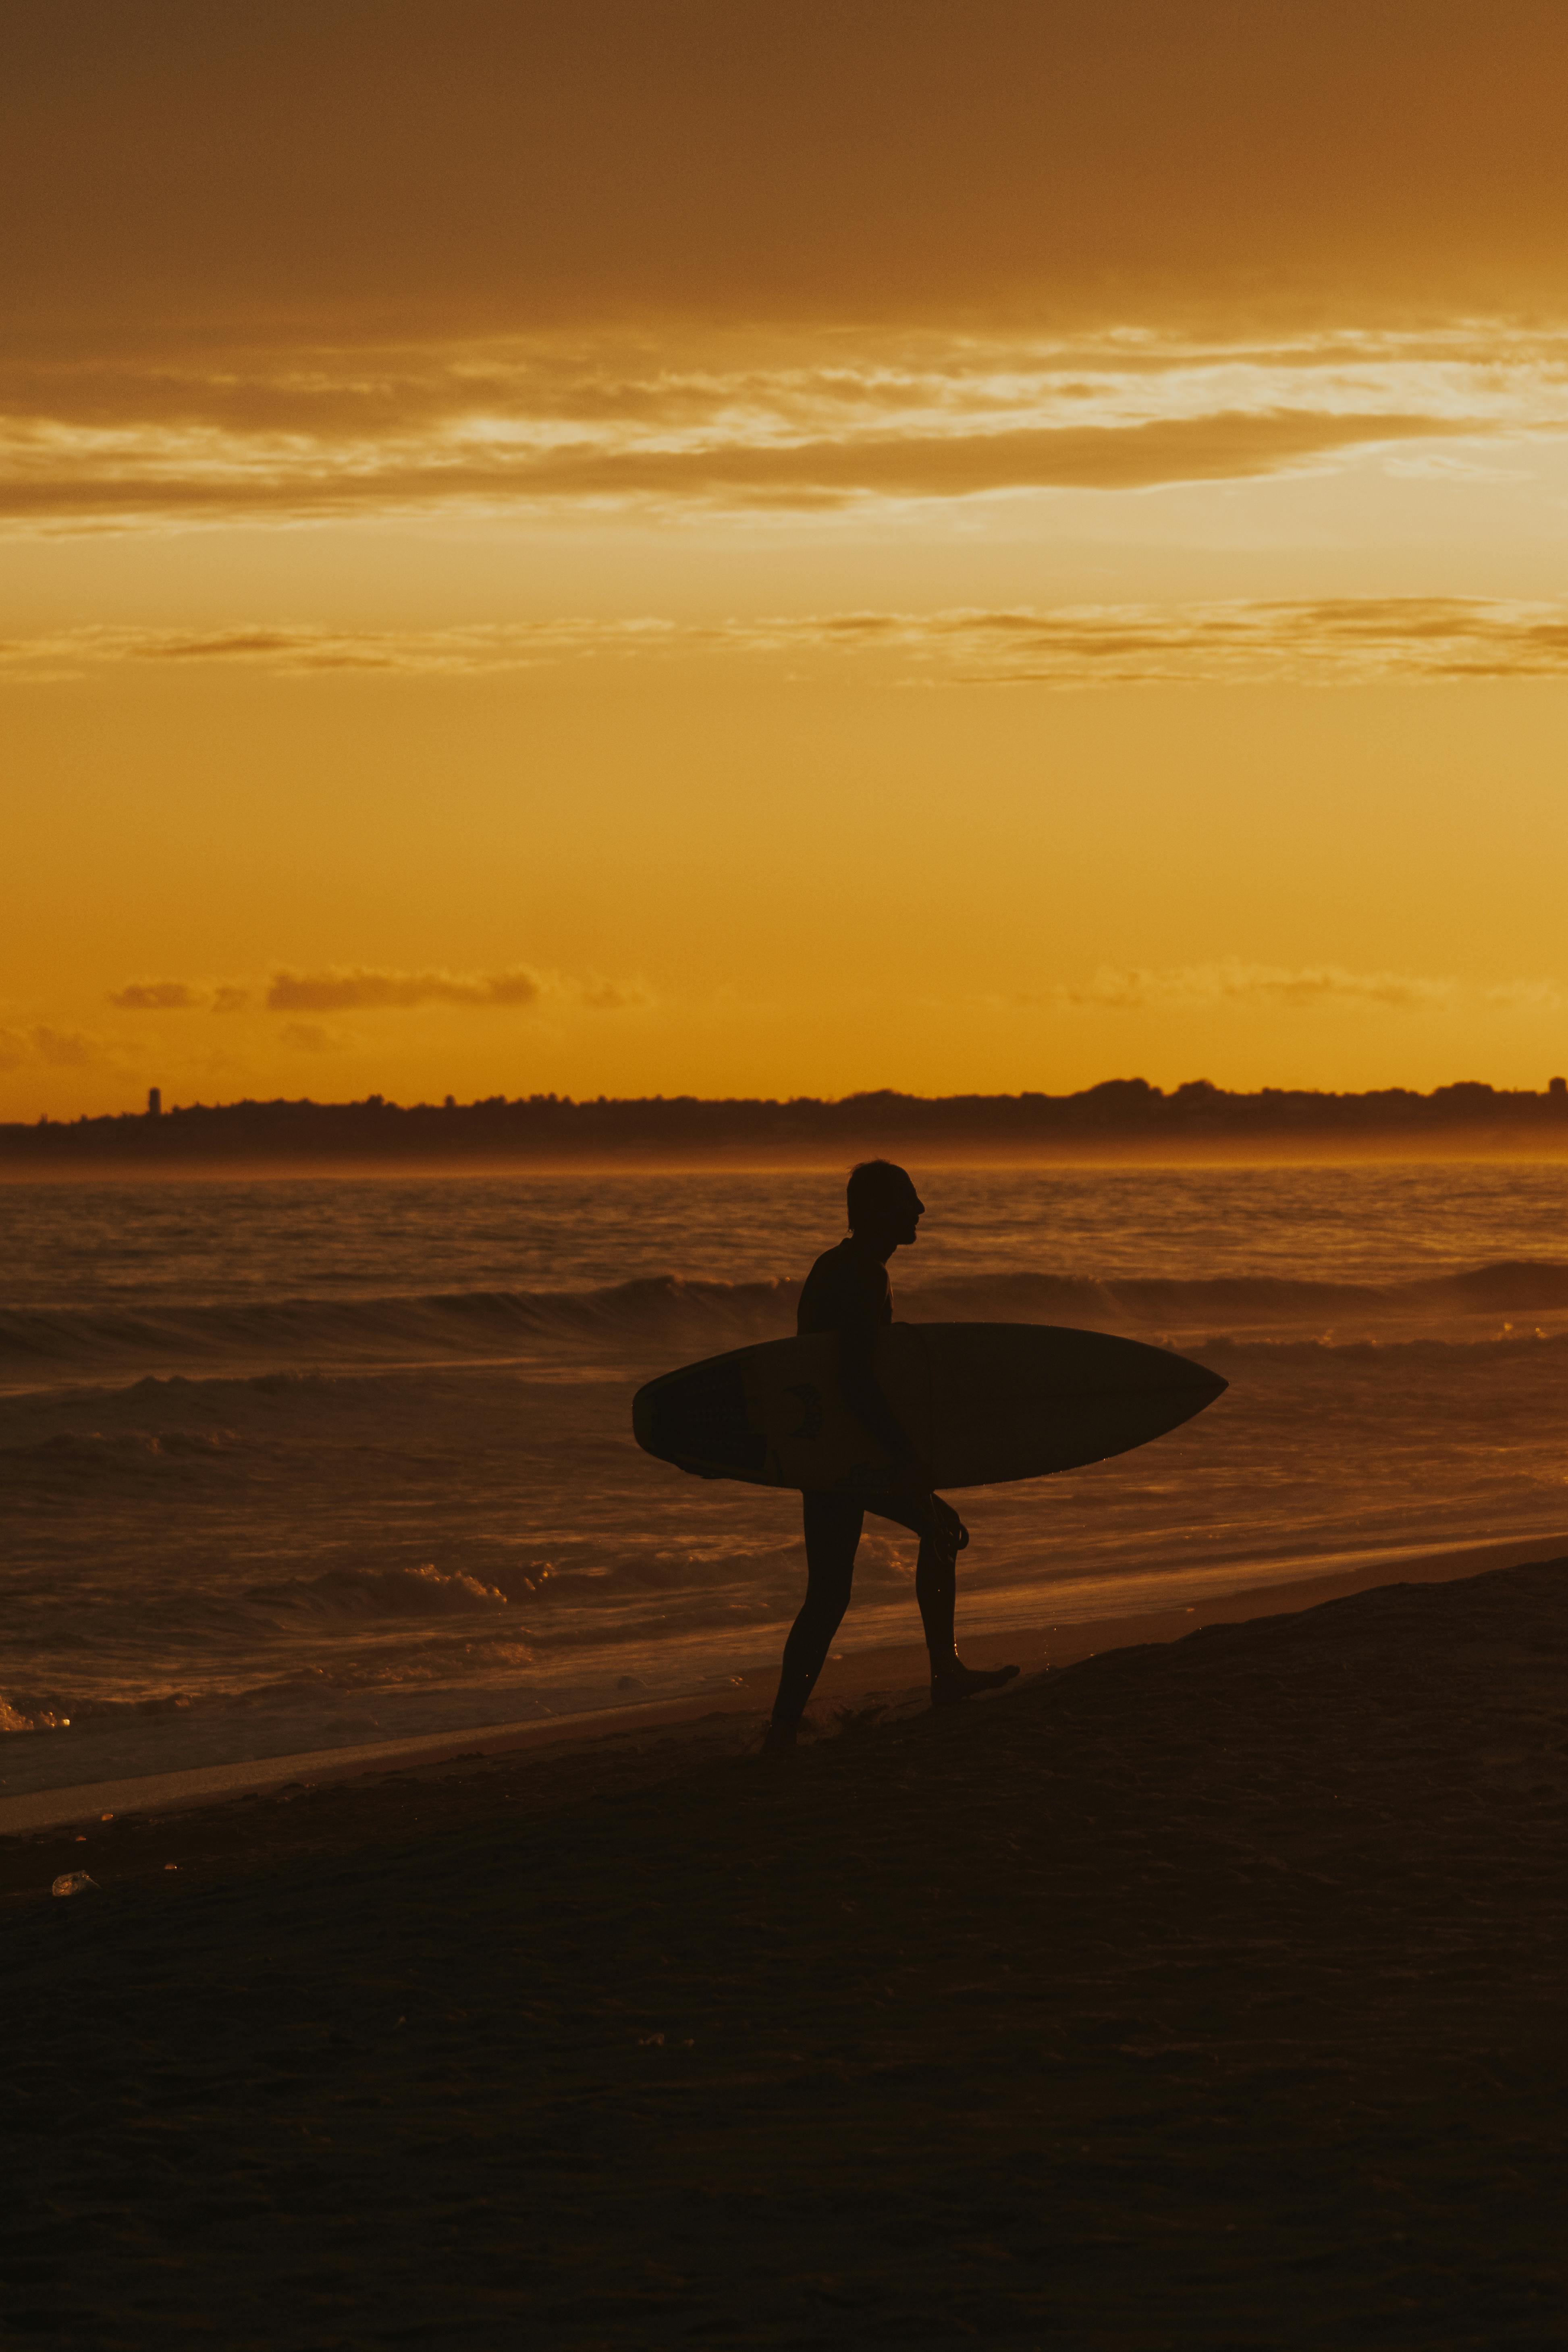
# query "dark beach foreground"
(1201, 1994)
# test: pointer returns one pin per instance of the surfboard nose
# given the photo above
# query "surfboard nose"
(1197, 1387)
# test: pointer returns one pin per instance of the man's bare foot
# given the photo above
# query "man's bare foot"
(779, 1740)
(961, 1682)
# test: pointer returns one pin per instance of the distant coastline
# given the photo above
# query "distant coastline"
(1124, 1118)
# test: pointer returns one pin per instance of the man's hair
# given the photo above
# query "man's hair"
(873, 1185)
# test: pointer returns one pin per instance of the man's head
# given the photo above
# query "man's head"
(884, 1207)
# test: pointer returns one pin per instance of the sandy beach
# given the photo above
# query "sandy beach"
(1202, 1992)
(891, 1675)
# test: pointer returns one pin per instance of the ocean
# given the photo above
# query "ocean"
(299, 1463)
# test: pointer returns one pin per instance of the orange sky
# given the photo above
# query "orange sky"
(780, 549)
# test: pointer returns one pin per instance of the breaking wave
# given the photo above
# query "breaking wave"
(427, 1591)
(50, 1342)
(638, 1320)
(1513, 1287)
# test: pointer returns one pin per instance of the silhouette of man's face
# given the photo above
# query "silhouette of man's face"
(907, 1214)
(894, 1220)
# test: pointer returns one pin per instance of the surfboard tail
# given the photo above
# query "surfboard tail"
(699, 1420)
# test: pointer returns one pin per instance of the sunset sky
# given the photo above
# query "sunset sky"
(724, 547)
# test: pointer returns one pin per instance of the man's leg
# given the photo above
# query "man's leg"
(943, 1534)
(940, 1530)
(833, 1526)
(936, 1591)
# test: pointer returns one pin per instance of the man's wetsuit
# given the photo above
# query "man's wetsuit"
(847, 1291)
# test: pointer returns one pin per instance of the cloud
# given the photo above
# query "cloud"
(767, 256)
(311, 1037)
(179, 996)
(362, 990)
(67, 1049)
(157, 996)
(341, 990)
(355, 988)
(741, 421)
(1332, 640)
(1342, 640)
(302, 650)
(1305, 988)
(55, 1049)
(612, 995)
(198, 484)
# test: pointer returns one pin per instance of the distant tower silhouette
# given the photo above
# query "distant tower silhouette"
(1558, 1088)
(154, 1102)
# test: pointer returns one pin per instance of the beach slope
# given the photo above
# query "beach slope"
(1208, 1993)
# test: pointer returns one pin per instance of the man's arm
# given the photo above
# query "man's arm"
(863, 1393)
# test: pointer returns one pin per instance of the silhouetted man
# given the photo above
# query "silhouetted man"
(847, 1291)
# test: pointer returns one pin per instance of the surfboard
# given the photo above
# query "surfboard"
(981, 1403)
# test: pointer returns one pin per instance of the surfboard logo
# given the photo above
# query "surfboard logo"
(811, 1410)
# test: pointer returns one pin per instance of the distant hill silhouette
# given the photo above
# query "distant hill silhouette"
(1124, 1116)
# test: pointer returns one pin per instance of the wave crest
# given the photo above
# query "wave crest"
(667, 1314)
(424, 1591)
(46, 1342)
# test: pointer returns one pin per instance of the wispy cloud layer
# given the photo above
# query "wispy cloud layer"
(825, 422)
(1303, 989)
(1339, 640)
(1345, 639)
(361, 991)
(178, 996)
(358, 989)
(45, 1047)
(1121, 989)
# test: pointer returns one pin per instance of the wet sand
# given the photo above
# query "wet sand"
(1206, 1993)
(892, 1674)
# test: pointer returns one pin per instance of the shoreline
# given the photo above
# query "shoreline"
(886, 1676)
